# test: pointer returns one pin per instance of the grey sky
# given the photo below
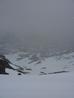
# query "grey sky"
(51, 19)
(35, 15)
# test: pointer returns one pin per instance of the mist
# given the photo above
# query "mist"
(39, 25)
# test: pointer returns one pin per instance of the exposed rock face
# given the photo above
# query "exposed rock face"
(4, 63)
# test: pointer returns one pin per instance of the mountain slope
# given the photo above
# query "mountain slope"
(35, 64)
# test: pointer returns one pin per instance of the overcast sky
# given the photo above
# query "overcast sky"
(52, 19)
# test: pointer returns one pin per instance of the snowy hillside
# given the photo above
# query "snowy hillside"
(37, 65)
(51, 77)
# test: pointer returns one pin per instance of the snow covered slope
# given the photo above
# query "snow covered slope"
(33, 86)
(43, 80)
(34, 64)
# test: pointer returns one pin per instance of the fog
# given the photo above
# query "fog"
(37, 24)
